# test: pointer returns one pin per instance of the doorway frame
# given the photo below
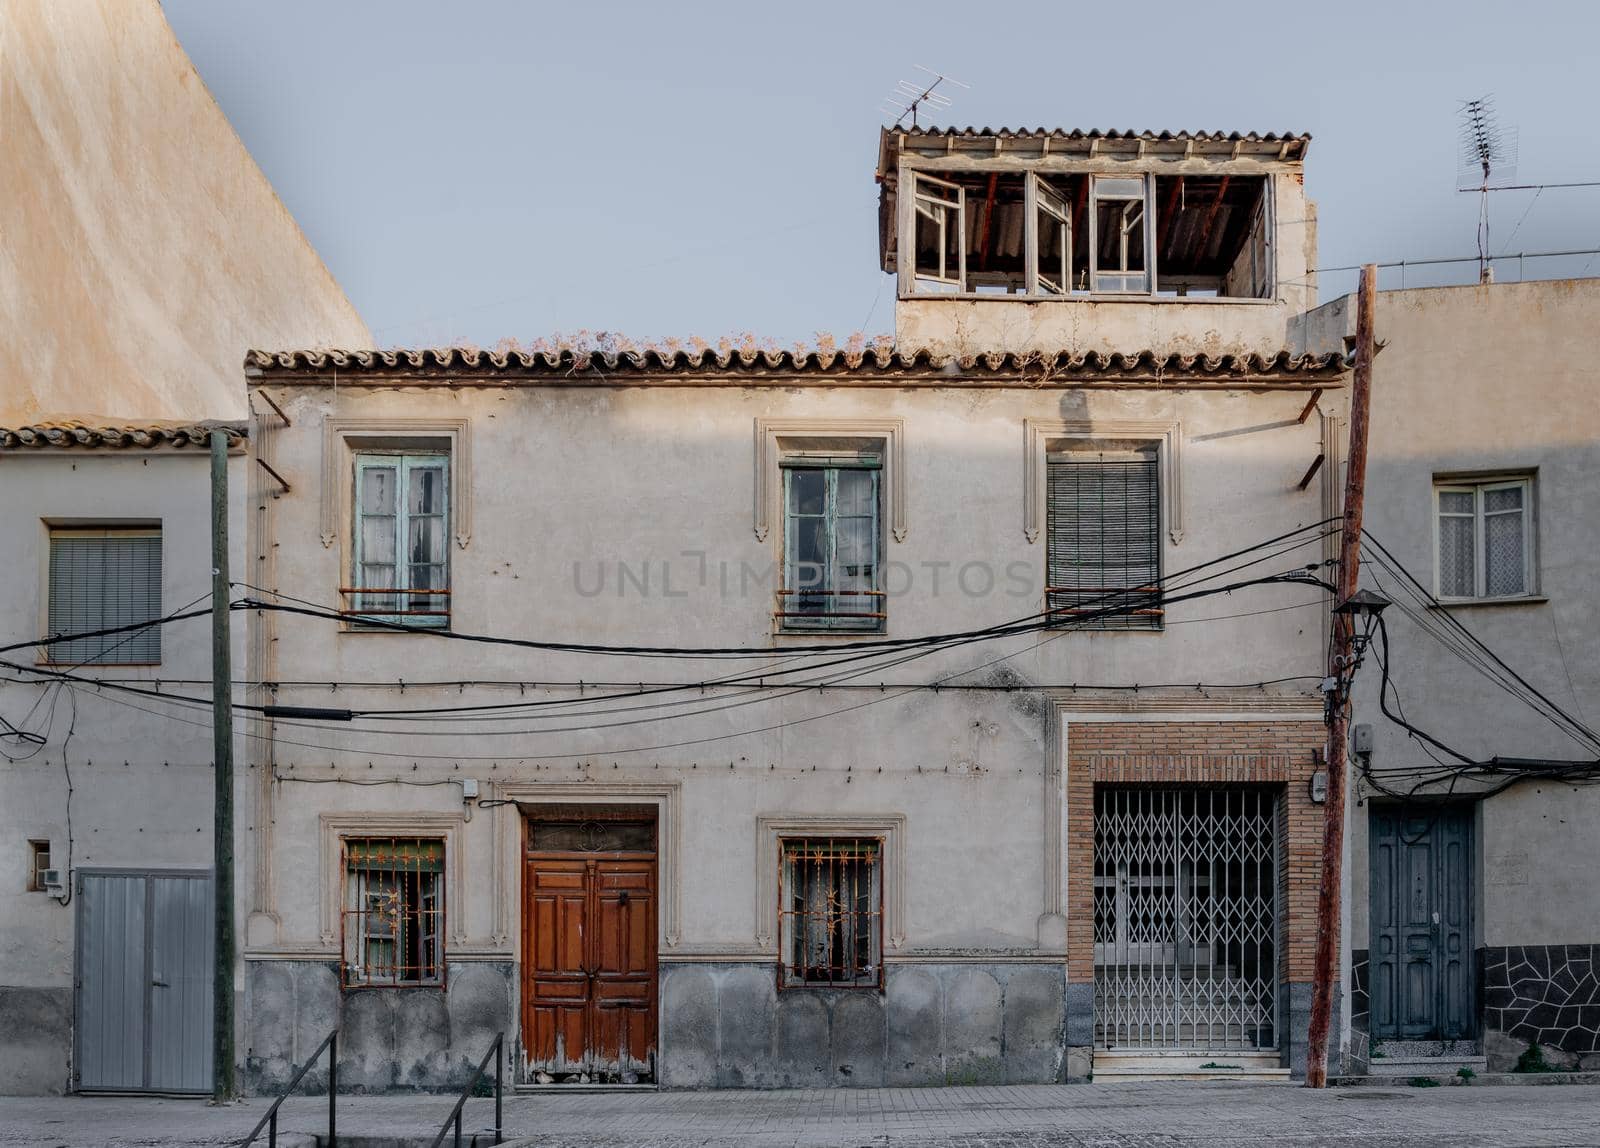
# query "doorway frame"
(625, 809)
(1471, 811)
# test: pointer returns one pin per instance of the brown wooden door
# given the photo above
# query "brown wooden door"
(589, 997)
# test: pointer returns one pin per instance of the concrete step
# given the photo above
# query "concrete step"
(1426, 1065)
(1113, 1066)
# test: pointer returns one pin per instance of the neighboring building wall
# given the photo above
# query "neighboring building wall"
(1488, 380)
(120, 782)
(564, 481)
(144, 251)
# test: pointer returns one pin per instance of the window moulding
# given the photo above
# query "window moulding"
(334, 827)
(1168, 436)
(666, 797)
(770, 827)
(768, 488)
(337, 451)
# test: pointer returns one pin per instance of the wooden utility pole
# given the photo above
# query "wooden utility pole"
(1340, 666)
(222, 1086)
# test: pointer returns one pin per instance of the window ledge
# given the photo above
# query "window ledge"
(94, 664)
(1474, 603)
(834, 635)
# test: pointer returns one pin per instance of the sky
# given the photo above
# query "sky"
(488, 169)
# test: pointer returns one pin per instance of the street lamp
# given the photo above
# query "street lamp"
(1363, 608)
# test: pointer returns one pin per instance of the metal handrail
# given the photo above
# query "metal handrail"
(270, 1120)
(466, 1093)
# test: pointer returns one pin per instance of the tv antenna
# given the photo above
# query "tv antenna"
(909, 95)
(1488, 163)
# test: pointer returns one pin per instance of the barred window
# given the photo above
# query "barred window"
(393, 911)
(1103, 538)
(101, 579)
(831, 913)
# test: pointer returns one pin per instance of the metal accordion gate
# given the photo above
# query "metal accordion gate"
(1185, 918)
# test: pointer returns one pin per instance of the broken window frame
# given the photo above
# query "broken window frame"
(937, 209)
(934, 199)
(797, 592)
(830, 870)
(393, 895)
(399, 601)
(1046, 201)
(1099, 189)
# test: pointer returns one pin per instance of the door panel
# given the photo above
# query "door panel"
(182, 931)
(1421, 977)
(556, 1030)
(590, 964)
(143, 1016)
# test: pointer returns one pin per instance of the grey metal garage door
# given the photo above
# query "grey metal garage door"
(143, 1001)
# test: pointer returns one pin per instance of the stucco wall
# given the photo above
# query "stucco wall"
(1491, 379)
(145, 251)
(141, 781)
(600, 477)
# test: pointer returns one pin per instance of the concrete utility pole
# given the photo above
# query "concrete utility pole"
(1340, 665)
(222, 1086)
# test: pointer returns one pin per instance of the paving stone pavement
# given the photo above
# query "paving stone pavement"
(1166, 1115)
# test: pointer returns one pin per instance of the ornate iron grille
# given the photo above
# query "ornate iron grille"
(831, 912)
(393, 916)
(1185, 918)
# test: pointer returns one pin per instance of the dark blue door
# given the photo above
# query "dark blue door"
(1421, 980)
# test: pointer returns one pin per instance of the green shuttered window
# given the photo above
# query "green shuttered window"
(1104, 539)
(402, 570)
(832, 573)
(100, 579)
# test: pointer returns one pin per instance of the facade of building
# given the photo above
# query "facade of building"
(936, 713)
(144, 253)
(1473, 914)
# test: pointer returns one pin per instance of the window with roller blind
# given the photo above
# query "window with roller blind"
(102, 579)
(1103, 536)
(401, 569)
(1484, 540)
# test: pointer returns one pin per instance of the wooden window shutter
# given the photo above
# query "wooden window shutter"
(1104, 540)
(99, 580)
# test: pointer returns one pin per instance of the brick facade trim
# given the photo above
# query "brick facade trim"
(1278, 753)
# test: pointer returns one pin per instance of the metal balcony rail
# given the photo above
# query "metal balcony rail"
(392, 602)
(455, 1113)
(270, 1120)
(826, 597)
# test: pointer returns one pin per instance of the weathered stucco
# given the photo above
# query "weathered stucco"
(569, 485)
(1490, 379)
(140, 777)
(144, 249)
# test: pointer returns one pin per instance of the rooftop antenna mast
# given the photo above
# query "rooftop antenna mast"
(909, 95)
(1488, 162)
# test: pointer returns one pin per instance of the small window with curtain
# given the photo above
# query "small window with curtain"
(831, 916)
(1485, 538)
(401, 567)
(103, 579)
(393, 915)
(1103, 536)
(832, 543)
